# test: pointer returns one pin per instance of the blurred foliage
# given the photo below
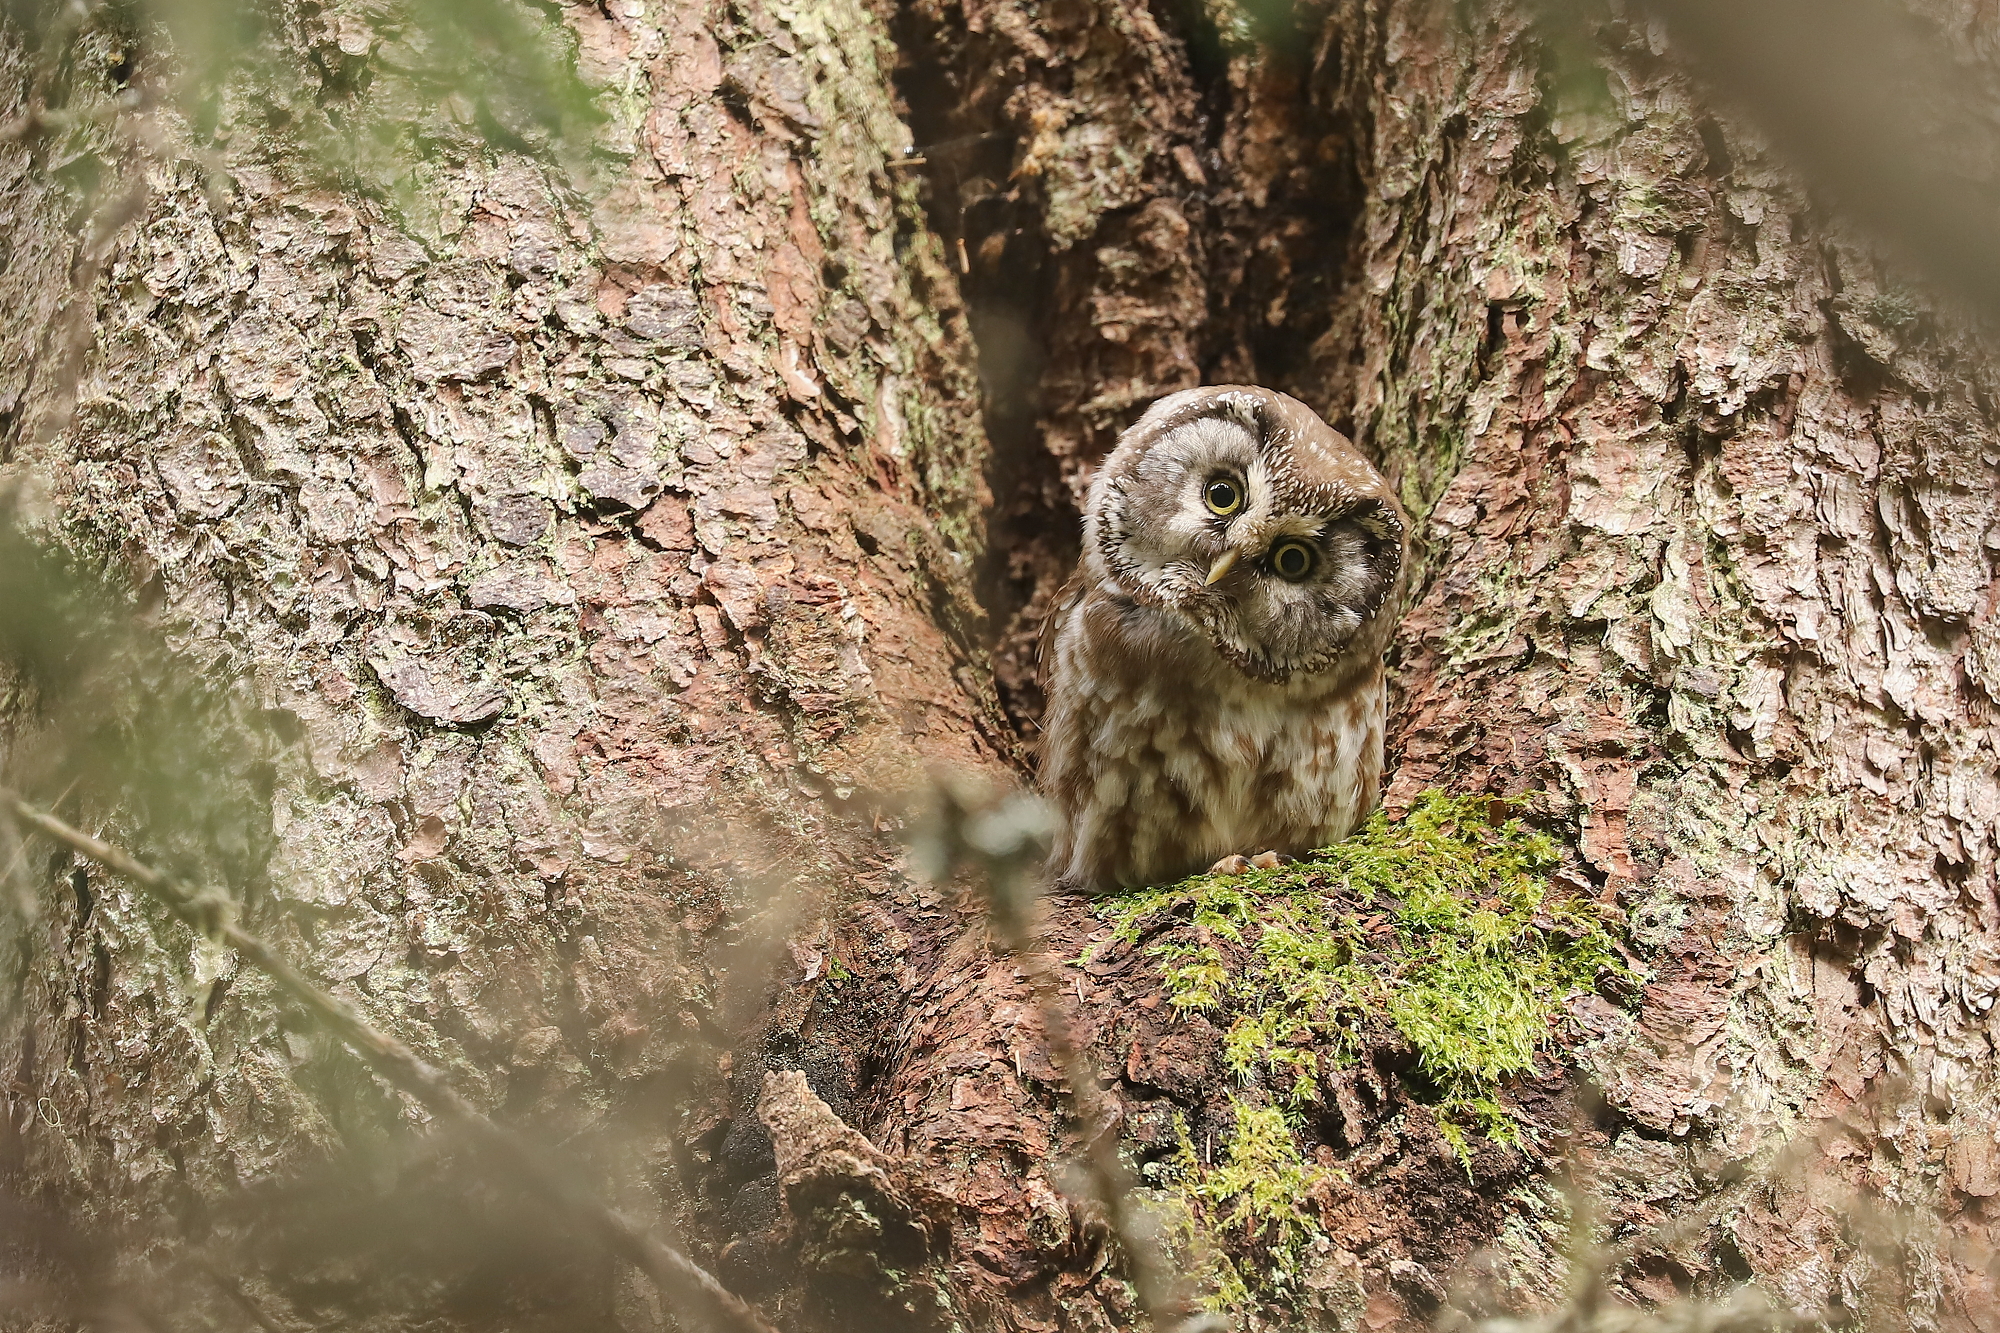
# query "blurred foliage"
(1441, 924)
(98, 716)
(362, 94)
(411, 1223)
(367, 96)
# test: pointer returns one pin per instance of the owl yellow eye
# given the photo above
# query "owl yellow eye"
(1222, 495)
(1291, 561)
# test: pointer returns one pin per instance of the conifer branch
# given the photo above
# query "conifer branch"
(692, 1290)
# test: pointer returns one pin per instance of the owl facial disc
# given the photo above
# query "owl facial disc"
(1242, 513)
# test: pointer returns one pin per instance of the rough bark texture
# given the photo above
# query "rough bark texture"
(1711, 542)
(609, 553)
(610, 556)
(1714, 539)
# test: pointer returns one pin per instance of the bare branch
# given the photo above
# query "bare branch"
(694, 1292)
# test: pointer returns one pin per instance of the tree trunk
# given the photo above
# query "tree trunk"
(609, 558)
(613, 554)
(1713, 539)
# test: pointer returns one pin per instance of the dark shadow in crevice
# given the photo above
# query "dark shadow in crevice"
(992, 232)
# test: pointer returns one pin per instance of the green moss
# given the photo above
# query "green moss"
(1260, 1190)
(1441, 924)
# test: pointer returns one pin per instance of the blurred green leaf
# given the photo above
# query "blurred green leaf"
(360, 93)
(101, 718)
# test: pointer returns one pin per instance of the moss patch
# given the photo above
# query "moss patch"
(1260, 1188)
(1442, 925)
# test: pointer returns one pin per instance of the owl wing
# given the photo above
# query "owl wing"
(1065, 601)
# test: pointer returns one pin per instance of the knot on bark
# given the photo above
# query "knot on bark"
(862, 1223)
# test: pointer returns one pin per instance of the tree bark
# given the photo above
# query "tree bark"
(608, 552)
(615, 552)
(1713, 540)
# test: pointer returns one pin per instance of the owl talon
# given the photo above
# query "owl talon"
(1239, 865)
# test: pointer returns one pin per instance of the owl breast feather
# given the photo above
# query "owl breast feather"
(1162, 757)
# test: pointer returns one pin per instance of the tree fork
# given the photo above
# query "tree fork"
(605, 554)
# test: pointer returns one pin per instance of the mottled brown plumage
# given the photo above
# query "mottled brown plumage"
(1214, 668)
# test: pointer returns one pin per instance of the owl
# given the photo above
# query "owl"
(1213, 669)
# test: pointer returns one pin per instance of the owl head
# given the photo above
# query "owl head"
(1238, 509)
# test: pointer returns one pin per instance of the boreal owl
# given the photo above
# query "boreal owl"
(1213, 669)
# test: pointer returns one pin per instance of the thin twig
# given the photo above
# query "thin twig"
(683, 1282)
(1008, 843)
(1110, 1183)
(232, 1287)
(67, 343)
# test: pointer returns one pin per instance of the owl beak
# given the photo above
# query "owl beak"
(1223, 564)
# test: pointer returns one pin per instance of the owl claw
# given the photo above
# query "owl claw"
(1239, 864)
